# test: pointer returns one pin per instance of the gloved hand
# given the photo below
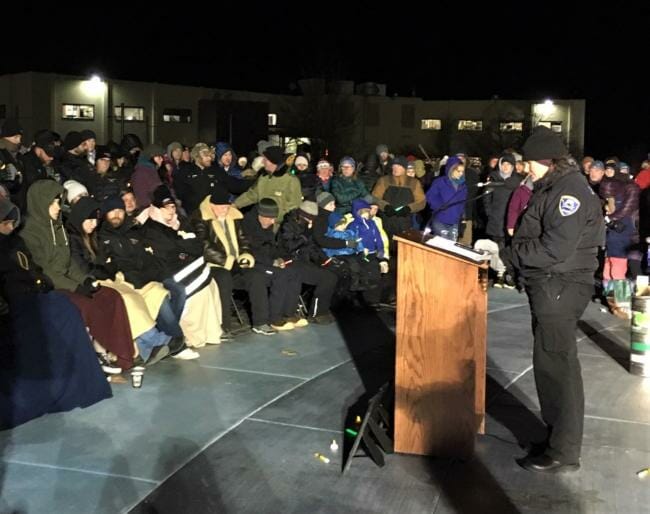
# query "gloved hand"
(383, 267)
(87, 288)
(244, 263)
(404, 211)
(389, 210)
(352, 243)
(616, 226)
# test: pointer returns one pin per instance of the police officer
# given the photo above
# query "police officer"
(555, 251)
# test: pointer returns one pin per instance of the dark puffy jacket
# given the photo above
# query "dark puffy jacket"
(263, 242)
(121, 249)
(496, 203)
(169, 246)
(297, 240)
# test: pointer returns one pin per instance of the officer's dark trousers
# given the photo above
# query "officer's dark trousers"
(556, 306)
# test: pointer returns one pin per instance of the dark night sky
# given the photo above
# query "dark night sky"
(441, 52)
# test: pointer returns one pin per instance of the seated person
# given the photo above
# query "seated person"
(47, 363)
(272, 272)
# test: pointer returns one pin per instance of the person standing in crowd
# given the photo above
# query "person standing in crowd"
(36, 164)
(496, 206)
(11, 136)
(347, 187)
(621, 197)
(587, 161)
(276, 183)
(146, 177)
(226, 160)
(398, 197)
(324, 173)
(643, 177)
(595, 176)
(466, 228)
(555, 251)
(446, 197)
(47, 361)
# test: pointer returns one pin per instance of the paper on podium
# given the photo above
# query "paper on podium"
(464, 251)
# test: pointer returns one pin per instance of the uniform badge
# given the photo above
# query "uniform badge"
(568, 205)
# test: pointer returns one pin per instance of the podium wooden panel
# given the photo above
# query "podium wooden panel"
(441, 350)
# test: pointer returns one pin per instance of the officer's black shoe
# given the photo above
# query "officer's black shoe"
(545, 464)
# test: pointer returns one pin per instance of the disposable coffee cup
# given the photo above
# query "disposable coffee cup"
(136, 379)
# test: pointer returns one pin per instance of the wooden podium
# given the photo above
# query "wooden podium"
(441, 350)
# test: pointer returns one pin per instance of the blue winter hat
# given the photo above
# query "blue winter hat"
(348, 160)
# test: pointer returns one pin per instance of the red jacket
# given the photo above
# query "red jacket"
(643, 179)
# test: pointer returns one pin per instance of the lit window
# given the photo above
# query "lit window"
(431, 125)
(77, 112)
(556, 126)
(130, 113)
(177, 115)
(511, 126)
(273, 120)
(473, 125)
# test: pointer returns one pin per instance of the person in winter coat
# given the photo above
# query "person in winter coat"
(143, 305)
(276, 183)
(324, 174)
(446, 197)
(195, 182)
(398, 197)
(377, 165)
(226, 159)
(299, 246)
(276, 309)
(47, 363)
(643, 177)
(171, 240)
(11, 169)
(621, 196)
(74, 164)
(36, 164)
(518, 203)
(102, 309)
(496, 206)
(555, 250)
(146, 177)
(347, 187)
(226, 249)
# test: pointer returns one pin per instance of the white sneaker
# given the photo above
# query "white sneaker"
(187, 355)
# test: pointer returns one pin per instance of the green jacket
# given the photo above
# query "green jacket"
(345, 190)
(46, 239)
(280, 186)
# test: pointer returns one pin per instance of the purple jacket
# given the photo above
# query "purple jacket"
(518, 202)
(143, 181)
(442, 192)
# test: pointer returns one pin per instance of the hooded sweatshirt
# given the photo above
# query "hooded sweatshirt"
(234, 169)
(46, 238)
(447, 198)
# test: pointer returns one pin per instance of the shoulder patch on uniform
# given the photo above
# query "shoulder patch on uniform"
(568, 205)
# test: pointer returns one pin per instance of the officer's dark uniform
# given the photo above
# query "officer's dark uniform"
(555, 250)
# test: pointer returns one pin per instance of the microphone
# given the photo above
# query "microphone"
(490, 184)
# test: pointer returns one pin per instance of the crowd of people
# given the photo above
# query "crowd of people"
(119, 255)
